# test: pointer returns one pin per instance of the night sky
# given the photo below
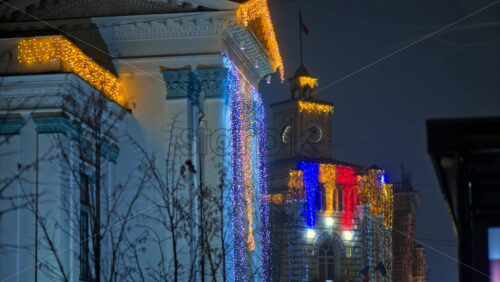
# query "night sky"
(381, 111)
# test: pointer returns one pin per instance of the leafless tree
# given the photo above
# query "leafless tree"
(104, 230)
(216, 241)
(11, 121)
(173, 195)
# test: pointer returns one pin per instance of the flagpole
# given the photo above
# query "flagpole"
(300, 35)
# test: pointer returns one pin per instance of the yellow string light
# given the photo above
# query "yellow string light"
(256, 14)
(57, 49)
(378, 195)
(311, 107)
(296, 184)
(327, 177)
(276, 198)
(308, 81)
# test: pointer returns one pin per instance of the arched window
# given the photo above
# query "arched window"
(340, 192)
(326, 262)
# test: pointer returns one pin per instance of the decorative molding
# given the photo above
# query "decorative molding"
(11, 126)
(213, 82)
(56, 124)
(241, 40)
(47, 92)
(252, 48)
(184, 83)
(329, 236)
(155, 27)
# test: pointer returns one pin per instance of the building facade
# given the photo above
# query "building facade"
(409, 262)
(118, 118)
(330, 220)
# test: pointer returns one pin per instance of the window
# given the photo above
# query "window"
(340, 198)
(84, 246)
(326, 262)
(84, 228)
(84, 189)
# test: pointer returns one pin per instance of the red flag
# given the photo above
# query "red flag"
(303, 27)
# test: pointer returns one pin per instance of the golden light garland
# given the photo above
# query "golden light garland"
(57, 49)
(276, 198)
(311, 107)
(308, 81)
(296, 184)
(249, 13)
(377, 194)
(327, 177)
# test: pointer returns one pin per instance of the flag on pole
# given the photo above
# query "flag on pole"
(303, 27)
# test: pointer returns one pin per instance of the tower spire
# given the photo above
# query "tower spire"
(302, 83)
(300, 35)
(302, 28)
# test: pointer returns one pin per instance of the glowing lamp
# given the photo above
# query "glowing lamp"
(310, 233)
(329, 221)
(348, 235)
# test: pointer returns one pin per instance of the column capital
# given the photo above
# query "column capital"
(213, 82)
(177, 83)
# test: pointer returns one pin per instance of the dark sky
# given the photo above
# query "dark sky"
(381, 111)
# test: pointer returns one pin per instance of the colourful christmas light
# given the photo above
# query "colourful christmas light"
(57, 49)
(378, 195)
(256, 14)
(314, 108)
(250, 201)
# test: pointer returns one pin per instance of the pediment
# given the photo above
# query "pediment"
(66, 9)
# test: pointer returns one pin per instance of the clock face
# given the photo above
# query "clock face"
(286, 135)
(314, 133)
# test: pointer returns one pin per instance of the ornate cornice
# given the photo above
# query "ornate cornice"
(11, 126)
(40, 92)
(157, 27)
(239, 41)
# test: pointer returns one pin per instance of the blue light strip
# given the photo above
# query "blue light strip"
(311, 187)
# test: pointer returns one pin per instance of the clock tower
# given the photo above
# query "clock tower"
(325, 223)
(301, 125)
